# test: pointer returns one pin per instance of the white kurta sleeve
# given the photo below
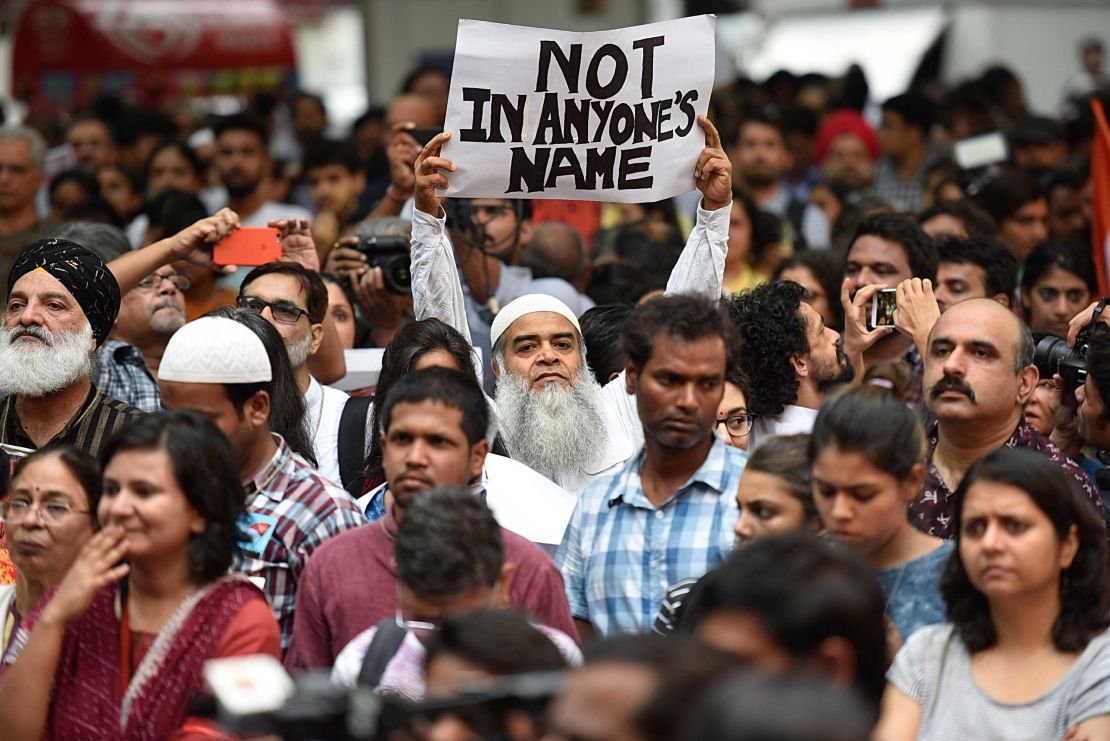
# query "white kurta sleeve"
(701, 266)
(436, 288)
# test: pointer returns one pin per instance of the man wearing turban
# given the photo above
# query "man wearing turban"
(62, 302)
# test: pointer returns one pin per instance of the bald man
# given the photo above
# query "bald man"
(979, 373)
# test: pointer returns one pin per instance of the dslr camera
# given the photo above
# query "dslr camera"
(391, 254)
(1054, 356)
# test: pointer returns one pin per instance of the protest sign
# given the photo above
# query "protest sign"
(603, 116)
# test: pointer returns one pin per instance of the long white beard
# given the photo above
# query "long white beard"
(298, 351)
(29, 369)
(555, 430)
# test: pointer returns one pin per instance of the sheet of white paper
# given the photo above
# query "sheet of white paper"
(600, 116)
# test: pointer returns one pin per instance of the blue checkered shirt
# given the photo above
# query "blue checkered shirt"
(291, 511)
(620, 552)
(122, 374)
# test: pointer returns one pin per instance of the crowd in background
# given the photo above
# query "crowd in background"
(665, 461)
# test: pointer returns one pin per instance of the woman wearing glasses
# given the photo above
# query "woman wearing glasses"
(49, 515)
(117, 650)
(734, 421)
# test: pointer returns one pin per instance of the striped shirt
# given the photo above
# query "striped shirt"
(291, 511)
(621, 552)
(97, 419)
(122, 373)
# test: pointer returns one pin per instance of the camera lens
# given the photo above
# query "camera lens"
(1053, 356)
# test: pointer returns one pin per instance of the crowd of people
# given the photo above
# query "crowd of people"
(653, 471)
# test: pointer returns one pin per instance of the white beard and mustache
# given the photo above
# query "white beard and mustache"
(555, 430)
(298, 351)
(33, 370)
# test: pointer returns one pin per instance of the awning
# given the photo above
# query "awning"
(92, 35)
(887, 44)
(159, 43)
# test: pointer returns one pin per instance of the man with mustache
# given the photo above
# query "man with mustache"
(667, 514)
(790, 358)
(552, 414)
(979, 373)
(62, 301)
(127, 364)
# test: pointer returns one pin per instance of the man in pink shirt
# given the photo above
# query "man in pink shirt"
(434, 424)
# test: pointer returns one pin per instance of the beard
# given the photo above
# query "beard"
(834, 375)
(34, 370)
(554, 430)
(167, 322)
(298, 351)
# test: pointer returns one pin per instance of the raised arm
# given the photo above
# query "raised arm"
(436, 290)
(701, 266)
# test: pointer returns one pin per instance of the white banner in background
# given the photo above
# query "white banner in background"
(601, 116)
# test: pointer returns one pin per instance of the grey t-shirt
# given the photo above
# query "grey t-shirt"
(913, 591)
(934, 670)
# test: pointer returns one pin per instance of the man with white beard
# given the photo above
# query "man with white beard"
(552, 414)
(294, 300)
(62, 302)
(149, 314)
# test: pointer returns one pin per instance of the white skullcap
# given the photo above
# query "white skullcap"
(530, 304)
(215, 350)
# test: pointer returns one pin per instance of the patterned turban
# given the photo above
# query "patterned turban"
(83, 274)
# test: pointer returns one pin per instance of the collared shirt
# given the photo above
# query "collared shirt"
(291, 511)
(621, 552)
(933, 510)
(903, 195)
(98, 417)
(437, 292)
(122, 373)
(324, 409)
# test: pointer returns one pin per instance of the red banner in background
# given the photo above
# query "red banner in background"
(1100, 197)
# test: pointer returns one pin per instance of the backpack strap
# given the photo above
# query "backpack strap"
(352, 442)
(381, 650)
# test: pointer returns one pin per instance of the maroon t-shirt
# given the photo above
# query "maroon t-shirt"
(350, 583)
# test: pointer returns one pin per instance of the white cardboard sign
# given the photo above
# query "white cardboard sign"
(601, 116)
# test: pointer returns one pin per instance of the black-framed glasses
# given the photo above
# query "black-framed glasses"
(153, 281)
(49, 513)
(282, 311)
(739, 424)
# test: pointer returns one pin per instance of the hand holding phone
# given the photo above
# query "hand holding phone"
(249, 246)
(882, 308)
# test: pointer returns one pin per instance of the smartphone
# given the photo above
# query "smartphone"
(423, 136)
(882, 308)
(248, 245)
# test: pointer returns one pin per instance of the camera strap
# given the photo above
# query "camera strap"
(383, 647)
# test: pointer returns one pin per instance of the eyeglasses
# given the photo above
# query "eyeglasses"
(282, 311)
(49, 513)
(153, 281)
(738, 425)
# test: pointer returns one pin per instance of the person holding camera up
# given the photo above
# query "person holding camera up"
(979, 373)
(1080, 369)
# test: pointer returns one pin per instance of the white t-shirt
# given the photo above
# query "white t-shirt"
(794, 420)
(404, 674)
(324, 408)
(934, 670)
